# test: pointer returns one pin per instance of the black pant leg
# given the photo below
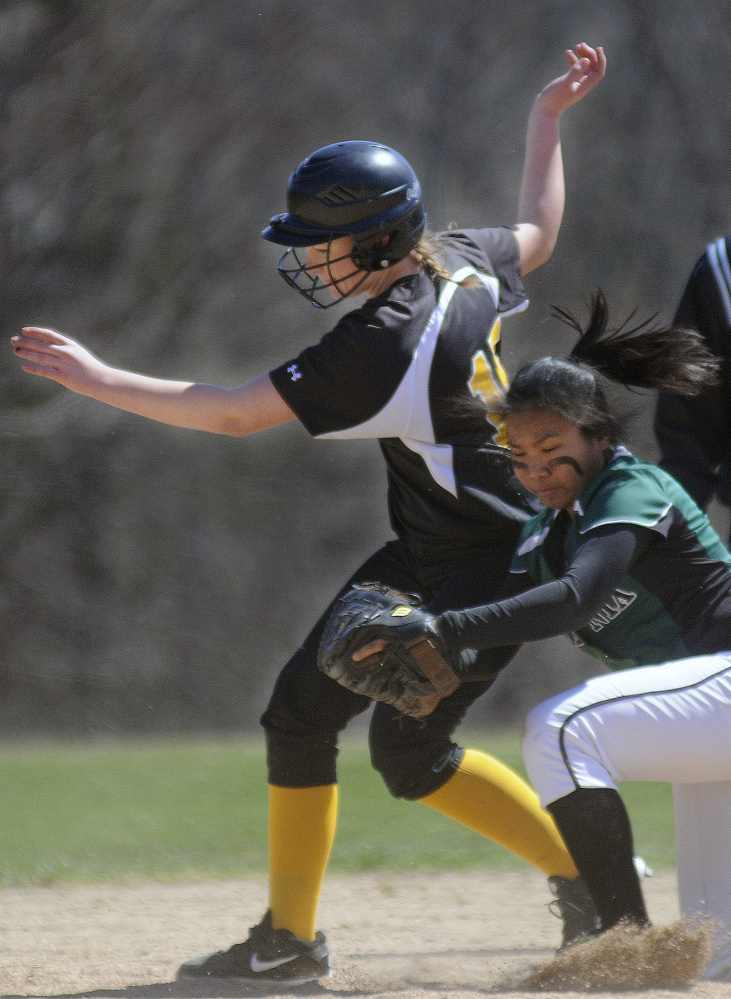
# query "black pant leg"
(308, 710)
(417, 756)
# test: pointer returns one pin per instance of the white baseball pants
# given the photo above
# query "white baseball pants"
(671, 723)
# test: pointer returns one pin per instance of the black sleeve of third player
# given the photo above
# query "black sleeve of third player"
(601, 561)
(693, 432)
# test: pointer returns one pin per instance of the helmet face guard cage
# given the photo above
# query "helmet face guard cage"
(322, 294)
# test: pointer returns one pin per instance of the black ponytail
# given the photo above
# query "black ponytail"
(642, 356)
(648, 355)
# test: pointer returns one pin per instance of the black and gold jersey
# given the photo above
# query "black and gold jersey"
(408, 368)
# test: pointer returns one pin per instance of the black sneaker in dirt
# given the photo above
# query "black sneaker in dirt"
(268, 957)
(575, 907)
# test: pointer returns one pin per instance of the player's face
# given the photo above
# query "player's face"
(331, 263)
(552, 457)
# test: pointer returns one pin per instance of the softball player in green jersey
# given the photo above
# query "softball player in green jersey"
(623, 561)
(626, 563)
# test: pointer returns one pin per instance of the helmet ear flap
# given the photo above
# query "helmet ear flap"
(371, 257)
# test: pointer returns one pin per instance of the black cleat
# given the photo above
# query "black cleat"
(268, 957)
(575, 907)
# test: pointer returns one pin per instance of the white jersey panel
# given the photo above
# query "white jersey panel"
(407, 414)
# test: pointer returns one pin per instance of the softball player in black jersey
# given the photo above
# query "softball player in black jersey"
(695, 434)
(625, 562)
(394, 369)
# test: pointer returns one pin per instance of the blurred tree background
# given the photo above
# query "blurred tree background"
(154, 579)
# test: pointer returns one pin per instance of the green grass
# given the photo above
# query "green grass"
(96, 812)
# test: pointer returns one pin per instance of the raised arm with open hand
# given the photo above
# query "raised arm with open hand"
(587, 67)
(235, 411)
(542, 192)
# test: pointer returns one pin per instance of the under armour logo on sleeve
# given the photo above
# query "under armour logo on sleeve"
(294, 372)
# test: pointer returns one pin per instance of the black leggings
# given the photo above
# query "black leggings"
(415, 757)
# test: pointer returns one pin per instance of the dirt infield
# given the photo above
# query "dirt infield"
(393, 936)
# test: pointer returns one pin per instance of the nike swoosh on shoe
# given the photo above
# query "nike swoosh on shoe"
(258, 965)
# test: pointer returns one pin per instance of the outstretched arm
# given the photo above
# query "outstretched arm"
(234, 411)
(542, 192)
(598, 566)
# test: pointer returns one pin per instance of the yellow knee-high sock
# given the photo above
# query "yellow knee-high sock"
(489, 798)
(301, 832)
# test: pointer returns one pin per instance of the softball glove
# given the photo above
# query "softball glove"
(414, 670)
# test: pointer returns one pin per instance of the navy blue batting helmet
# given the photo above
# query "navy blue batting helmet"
(360, 189)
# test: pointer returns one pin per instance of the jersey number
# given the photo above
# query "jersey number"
(489, 380)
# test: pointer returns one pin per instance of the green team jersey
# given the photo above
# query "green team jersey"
(676, 601)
